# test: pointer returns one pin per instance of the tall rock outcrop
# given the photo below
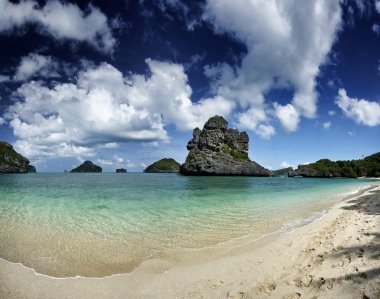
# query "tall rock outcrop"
(13, 162)
(87, 166)
(217, 150)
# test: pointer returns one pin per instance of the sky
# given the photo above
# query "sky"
(123, 83)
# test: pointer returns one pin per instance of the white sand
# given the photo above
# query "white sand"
(337, 256)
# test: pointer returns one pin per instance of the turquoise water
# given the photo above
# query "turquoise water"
(99, 224)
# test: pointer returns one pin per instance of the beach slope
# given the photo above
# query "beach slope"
(337, 256)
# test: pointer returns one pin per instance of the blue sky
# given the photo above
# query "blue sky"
(124, 84)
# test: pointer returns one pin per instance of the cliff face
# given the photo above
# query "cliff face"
(87, 166)
(12, 162)
(217, 150)
(166, 165)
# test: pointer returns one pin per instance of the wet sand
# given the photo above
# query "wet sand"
(337, 256)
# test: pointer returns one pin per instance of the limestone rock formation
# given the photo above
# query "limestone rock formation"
(217, 150)
(121, 170)
(87, 166)
(31, 169)
(166, 165)
(13, 162)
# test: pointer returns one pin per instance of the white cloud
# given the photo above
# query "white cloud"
(288, 116)
(104, 108)
(255, 119)
(360, 110)
(61, 20)
(265, 131)
(331, 112)
(167, 91)
(116, 161)
(2, 121)
(35, 64)
(285, 164)
(351, 133)
(286, 41)
(104, 162)
(110, 145)
(377, 6)
(376, 29)
(4, 78)
(326, 125)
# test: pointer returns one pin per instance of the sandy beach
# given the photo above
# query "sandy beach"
(337, 256)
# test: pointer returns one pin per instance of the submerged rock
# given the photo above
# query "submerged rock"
(121, 170)
(166, 165)
(87, 166)
(13, 162)
(217, 150)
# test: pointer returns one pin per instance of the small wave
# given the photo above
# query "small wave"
(292, 225)
(35, 272)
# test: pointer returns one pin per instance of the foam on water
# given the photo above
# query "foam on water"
(102, 224)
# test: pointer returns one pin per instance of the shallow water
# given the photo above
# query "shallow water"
(101, 224)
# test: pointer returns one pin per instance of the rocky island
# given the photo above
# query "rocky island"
(13, 162)
(87, 166)
(325, 168)
(166, 165)
(282, 171)
(217, 150)
(121, 170)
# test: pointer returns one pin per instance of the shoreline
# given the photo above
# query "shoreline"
(259, 271)
(243, 243)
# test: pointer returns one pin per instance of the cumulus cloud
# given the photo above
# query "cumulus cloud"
(377, 6)
(360, 110)
(167, 90)
(36, 64)
(104, 108)
(61, 20)
(288, 116)
(256, 120)
(286, 41)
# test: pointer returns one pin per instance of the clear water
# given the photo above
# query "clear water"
(101, 224)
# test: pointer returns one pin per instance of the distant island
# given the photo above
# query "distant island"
(121, 170)
(166, 165)
(216, 150)
(13, 162)
(87, 166)
(325, 168)
(282, 171)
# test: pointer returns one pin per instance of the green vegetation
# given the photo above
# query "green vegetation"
(8, 156)
(367, 167)
(239, 156)
(164, 165)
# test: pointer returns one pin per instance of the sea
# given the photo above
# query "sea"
(96, 225)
